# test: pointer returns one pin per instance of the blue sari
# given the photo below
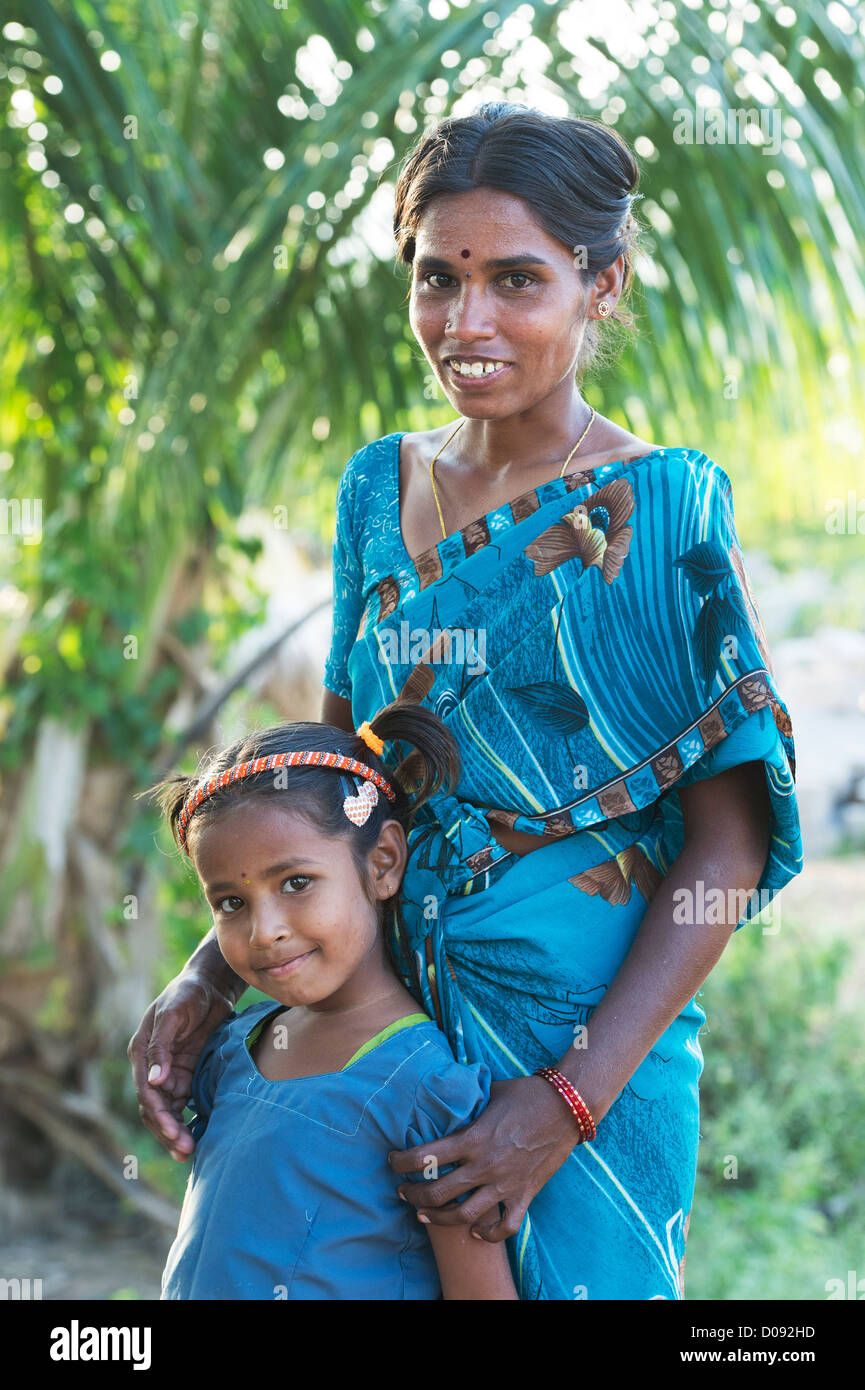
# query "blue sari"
(594, 646)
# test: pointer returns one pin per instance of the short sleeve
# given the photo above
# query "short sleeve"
(448, 1098)
(206, 1077)
(348, 600)
(753, 741)
(734, 708)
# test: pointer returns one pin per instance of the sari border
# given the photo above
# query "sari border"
(429, 565)
(667, 764)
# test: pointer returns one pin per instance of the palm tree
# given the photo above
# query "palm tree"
(201, 314)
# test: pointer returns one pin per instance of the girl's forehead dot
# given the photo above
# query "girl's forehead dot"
(465, 253)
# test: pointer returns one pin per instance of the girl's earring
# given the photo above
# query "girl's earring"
(604, 308)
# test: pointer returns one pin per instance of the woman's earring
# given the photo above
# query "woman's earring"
(604, 308)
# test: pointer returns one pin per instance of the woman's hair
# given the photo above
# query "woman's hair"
(317, 793)
(578, 176)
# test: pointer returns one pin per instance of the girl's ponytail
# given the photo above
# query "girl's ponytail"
(434, 763)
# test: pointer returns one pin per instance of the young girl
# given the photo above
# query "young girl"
(298, 835)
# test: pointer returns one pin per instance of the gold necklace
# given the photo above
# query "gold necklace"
(459, 427)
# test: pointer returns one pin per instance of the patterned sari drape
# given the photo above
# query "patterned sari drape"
(594, 645)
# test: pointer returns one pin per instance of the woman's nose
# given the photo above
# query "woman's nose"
(468, 317)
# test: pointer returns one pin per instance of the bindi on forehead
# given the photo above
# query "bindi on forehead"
(465, 254)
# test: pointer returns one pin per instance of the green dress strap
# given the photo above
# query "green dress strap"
(381, 1037)
(386, 1033)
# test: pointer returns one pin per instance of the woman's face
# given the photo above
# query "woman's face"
(527, 314)
(291, 914)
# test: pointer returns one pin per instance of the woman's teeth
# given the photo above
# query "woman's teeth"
(476, 368)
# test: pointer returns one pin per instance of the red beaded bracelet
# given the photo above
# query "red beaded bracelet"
(581, 1112)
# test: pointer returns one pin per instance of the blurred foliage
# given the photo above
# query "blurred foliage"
(201, 316)
(201, 310)
(783, 1091)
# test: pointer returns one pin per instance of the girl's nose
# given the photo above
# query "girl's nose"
(268, 922)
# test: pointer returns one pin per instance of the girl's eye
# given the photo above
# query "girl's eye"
(220, 906)
(295, 879)
(302, 879)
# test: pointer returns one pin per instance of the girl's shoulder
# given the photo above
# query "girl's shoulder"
(407, 1051)
(427, 1092)
(252, 1014)
(219, 1054)
(236, 1028)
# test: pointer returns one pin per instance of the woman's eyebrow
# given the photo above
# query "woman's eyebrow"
(501, 263)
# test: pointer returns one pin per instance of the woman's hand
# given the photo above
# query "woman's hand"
(165, 1050)
(521, 1139)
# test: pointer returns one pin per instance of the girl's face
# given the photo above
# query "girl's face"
(291, 914)
(528, 314)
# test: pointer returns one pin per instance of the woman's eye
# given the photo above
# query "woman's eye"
(511, 275)
(519, 275)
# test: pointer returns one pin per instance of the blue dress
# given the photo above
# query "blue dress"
(594, 646)
(291, 1195)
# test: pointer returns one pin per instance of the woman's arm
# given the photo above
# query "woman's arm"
(527, 1131)
(336, 710)
(726, 821)
(165, 1049)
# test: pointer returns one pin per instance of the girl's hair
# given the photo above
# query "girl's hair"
(317, 793)
(578, 176)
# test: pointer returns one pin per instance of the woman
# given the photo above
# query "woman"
(573, 602)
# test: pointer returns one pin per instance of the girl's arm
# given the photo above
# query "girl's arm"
(527, 1131)
(471, 1269)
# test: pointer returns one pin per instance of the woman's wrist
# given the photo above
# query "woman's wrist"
(573, 1100)
(552, 1118)
(208, 964)
(597, 1072)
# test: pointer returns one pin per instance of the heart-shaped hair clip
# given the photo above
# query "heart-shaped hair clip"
(359, 808)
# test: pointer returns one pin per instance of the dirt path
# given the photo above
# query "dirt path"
(75, 1259)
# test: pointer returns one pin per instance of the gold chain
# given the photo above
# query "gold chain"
(459, 427)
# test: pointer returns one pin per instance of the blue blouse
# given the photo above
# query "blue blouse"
(646, 719)
(291, 1195)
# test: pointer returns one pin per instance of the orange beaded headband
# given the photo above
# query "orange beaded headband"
(357, 808)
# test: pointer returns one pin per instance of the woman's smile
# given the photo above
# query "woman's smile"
(474, 376)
